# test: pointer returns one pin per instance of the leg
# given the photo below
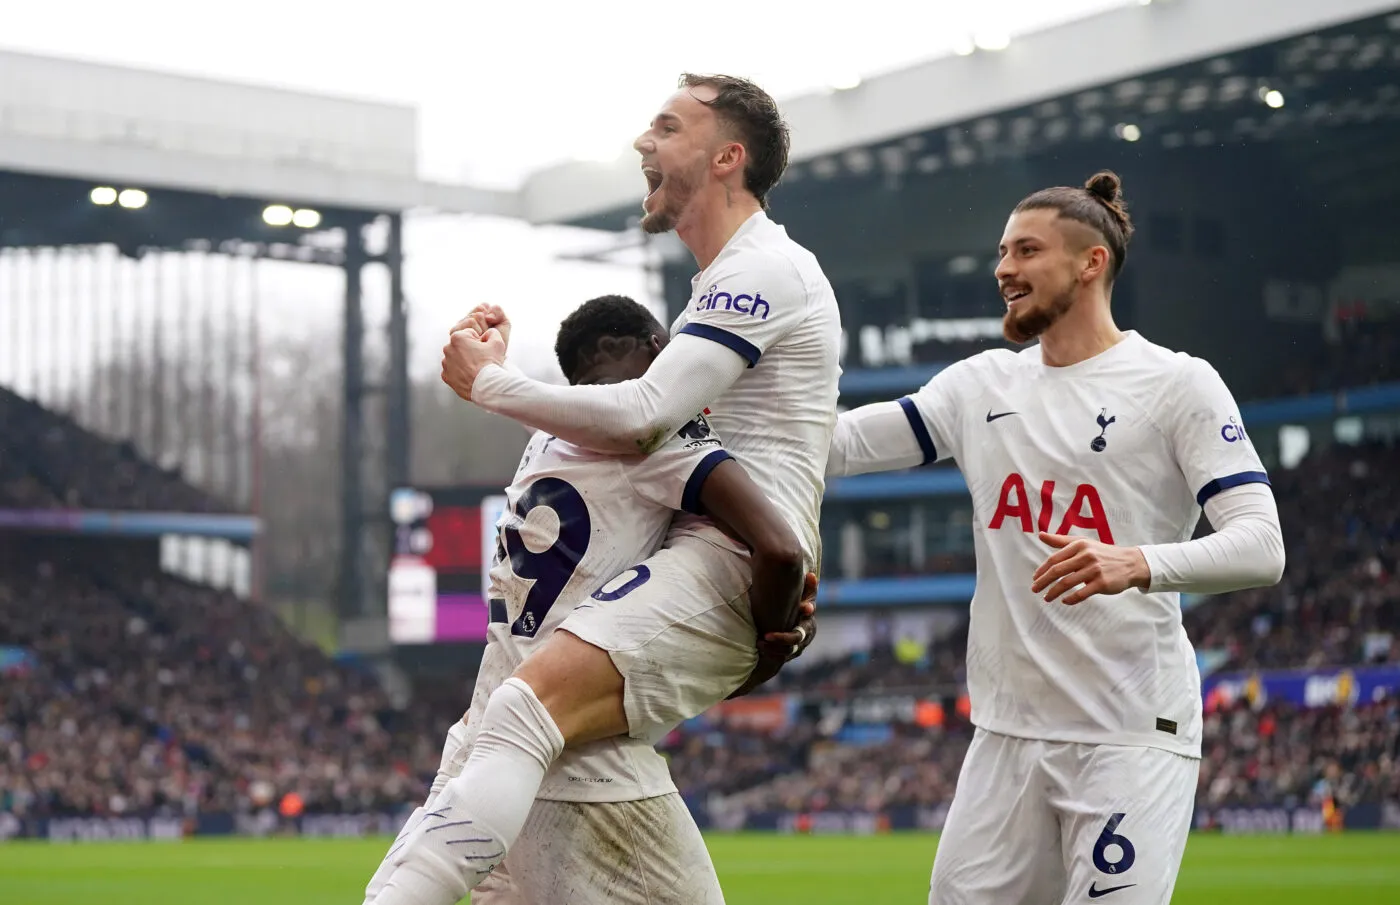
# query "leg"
(1125, 814)
(646, 852)
(682, 639)
(477, 815)
(454, 755)
(1000, 845)
(579, 686)
(682, 642)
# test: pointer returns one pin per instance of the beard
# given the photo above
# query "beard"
(1022, 326)
(679, 188)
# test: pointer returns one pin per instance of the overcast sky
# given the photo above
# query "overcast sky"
(503, 89)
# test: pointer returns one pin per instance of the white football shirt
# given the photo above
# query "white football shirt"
(765, 297)
(576, 524)
(1125, 448)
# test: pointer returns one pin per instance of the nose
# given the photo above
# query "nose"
(1005, 269)
(642, 143)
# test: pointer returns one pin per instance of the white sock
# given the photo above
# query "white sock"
(477, 816)
(454, 756)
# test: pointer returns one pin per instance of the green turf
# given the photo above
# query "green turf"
(1350, 869)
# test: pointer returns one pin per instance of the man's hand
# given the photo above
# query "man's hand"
(466, 353)
(1101, 569)
(482, 318)
(777, 648)
(785, 646)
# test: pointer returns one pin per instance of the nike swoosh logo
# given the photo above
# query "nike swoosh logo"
(991, 417)
(1095, 893)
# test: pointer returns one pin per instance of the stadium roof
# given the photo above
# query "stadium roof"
(941, 113)
(104, 125)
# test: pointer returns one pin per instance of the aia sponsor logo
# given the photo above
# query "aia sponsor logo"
(1017, 508)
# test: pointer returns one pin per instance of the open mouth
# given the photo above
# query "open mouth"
(653, 178)
(1012, 295)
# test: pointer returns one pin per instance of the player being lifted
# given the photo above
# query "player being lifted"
(1100, 448)
(758, 343)
(575, 520)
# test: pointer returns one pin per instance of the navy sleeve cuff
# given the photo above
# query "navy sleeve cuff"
(916, 423)
(690, 498)
(746, 350)
(1225, 483)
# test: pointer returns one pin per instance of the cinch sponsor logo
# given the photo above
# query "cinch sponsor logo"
(752, 305)
(1233, 431)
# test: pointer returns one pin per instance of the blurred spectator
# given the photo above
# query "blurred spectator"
(47, 461)
(151, 694)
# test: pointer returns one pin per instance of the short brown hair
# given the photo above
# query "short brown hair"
(753, 114)
(1098, 205)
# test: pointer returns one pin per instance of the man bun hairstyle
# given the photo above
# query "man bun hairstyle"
(758, 123)
(608, 316)
(1098, 205)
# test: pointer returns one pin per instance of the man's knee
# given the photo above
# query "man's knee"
(580, 687)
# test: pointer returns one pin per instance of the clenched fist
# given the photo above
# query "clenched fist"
(466, 353)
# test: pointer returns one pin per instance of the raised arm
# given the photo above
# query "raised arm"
(751, 301)
(635, 416)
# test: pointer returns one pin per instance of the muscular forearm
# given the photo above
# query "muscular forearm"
(776, 590)
(1246, 550)
(629, 417)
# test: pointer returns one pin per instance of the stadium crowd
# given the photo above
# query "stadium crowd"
(47, 461)
(149, 694)
(1285, 755)
(1339, 600)
(1364, 352)
(144, 693)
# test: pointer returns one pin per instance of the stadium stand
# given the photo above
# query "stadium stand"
(144, 693)
(48, 461)
(138, 692)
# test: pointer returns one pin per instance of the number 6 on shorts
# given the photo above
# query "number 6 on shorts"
(1108, 837)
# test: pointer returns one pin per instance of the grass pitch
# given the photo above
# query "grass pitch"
(755, 869)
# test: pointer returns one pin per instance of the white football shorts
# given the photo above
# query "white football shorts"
(679, 629)
(1051, 823)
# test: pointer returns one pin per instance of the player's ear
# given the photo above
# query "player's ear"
(656, 344)
(1096, 263)
(729, 158)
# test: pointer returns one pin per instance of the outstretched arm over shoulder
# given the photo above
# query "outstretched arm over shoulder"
(752, 301)
(913, 430)
(635, 416)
